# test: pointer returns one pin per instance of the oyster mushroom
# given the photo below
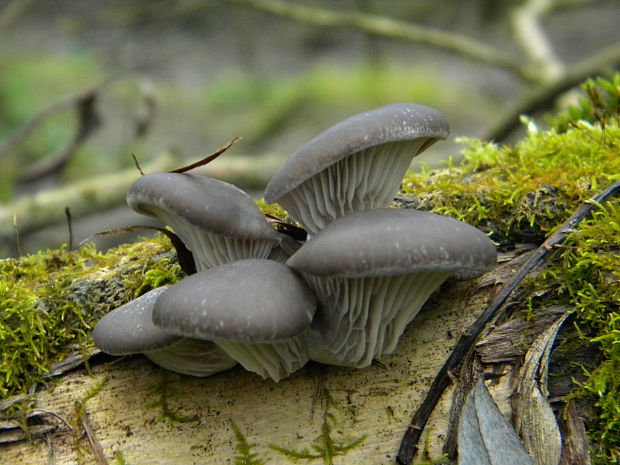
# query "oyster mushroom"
(218, 222)
(129, 329)
(373, 270)
(257, 311)
(357, 164)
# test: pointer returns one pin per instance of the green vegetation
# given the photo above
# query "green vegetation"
(246, 456)
(22, 96)
(523, 193)
(79, 417)
(50, 301)
(324, 447)
(164, 392)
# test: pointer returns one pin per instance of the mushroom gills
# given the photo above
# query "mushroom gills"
(211, 250)
(269, 360)
(365, 180)
(192, 357)
(360, 319)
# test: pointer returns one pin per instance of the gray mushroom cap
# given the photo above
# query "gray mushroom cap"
(387, 124)
(390, 241)
(248, 301)
(207, 203)
(129, 329)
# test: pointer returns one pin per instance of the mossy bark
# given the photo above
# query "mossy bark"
(374, 404)
(139, 414)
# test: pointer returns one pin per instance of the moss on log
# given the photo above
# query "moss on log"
(130, 411)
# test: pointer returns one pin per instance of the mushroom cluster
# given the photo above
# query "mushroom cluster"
(344, 296)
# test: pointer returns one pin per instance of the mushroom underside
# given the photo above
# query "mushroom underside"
(365, 180)
(360, 319)
(192, 357)
(211, 250)
(270, 360)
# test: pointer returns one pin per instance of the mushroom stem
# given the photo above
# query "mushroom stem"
(211, 250)
(365, 180)
(360, 319)
(276, 360)
(192, 357)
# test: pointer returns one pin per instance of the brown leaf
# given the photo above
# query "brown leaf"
(533, 417)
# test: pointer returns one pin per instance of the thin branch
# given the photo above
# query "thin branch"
(95, 445)
(602, 63)
(63, 104)
(530, 35)
(41, 209)
(88, 122)
(409, 444)
(69, 227)
(394, 29)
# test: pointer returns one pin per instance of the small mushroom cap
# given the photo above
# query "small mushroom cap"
(207, 203)
(390, 123)
(390, 241)
(129, 329)
(248, 301)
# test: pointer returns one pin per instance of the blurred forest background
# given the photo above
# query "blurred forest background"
(85, 84)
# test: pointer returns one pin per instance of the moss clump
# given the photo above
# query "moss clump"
(588, 274)
(50, 301)
(521, 193)
(271, 209)
(600, 103)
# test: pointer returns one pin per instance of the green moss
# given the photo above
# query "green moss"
(272, 209)
(522, 193)
(164, 392)
(584, 275)
(247, 455)
(50, 301)
(600, 103)
(325, 446)
(588, 271)
(78, 419)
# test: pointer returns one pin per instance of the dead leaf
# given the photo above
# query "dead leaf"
(485, 437)
(533, 417)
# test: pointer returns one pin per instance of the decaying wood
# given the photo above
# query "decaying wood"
(574, 437)
(533, 417)
(409, 445)
(508, 342)
(375, 402)
(95, 445)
